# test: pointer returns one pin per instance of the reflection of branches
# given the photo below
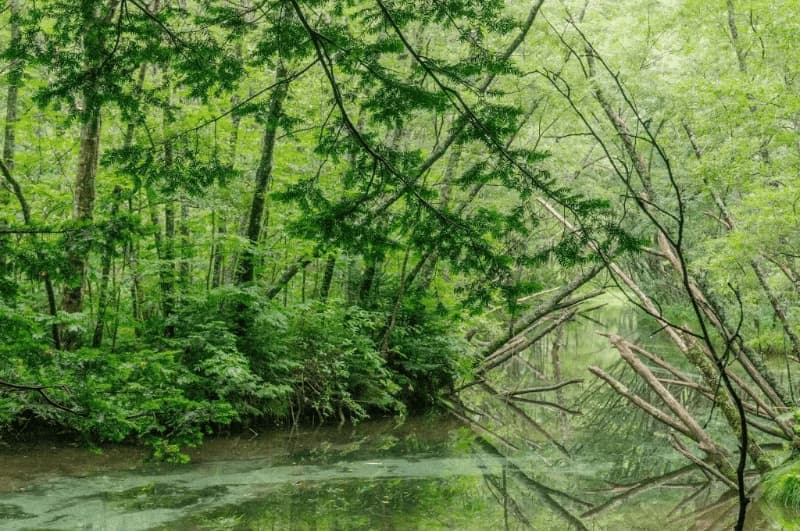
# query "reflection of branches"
(637, 488)
(478, 427)
(543, 388)
(527, 418)
(502, 490)
(545, 493)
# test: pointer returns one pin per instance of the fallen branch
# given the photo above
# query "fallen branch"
(543, 389)
(544, 403)
(40, 389)
(681, 448)
(639, 402)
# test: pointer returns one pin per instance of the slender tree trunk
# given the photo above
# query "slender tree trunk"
(555, 359)
(367, 278)
(132, 248)
(737, 46)
(246, 271)
(327, 277)
(778, 309)
(82, 213)
(218, 259)
(105, 273)
(96, 15)
(14, 80)
(184, 267)
(168, 265)
(398, 302)
(217, 255)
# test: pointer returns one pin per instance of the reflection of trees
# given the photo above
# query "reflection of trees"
(440, 503)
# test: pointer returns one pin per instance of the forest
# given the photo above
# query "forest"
(554, 222)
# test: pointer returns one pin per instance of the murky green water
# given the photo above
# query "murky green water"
(423, 473)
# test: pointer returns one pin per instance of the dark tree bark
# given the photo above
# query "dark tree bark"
(246, 271)
(367, 278)
(184, 266)
(168, 267)
(105, 273)
(96, 16)
(327, 277)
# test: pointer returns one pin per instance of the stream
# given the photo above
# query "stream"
(424, 472)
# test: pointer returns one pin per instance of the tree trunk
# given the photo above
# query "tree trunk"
(168, 266)
(105, 274)
(327, 278)
(96, 15)
(82, 213)
(14, 80)
(184, 266)
(367, 279)
(218, 260)
(247, 265)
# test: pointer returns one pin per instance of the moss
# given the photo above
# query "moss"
(782, 486)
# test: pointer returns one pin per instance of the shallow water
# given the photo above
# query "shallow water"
(425, 473)
(421, 473)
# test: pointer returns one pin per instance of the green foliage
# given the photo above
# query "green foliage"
(426, 353)
(782, 486)
(340, 371)
(318, 359)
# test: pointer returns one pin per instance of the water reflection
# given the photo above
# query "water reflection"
(610, 468)
(429, 473)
